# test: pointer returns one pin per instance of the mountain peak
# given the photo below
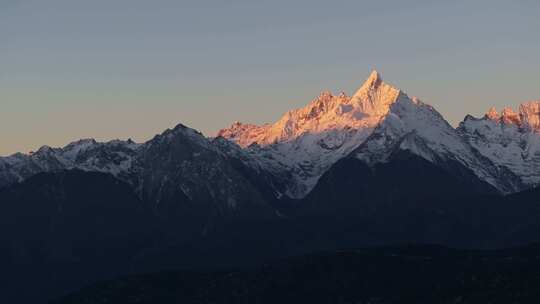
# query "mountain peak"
(508, 116)
(373, 81)
(312, 138)
(326, 94)
(325, 114)
(492, 114)
(374, 77)
(527, 118)
(375, 97)
(45, 150)
(529, 113)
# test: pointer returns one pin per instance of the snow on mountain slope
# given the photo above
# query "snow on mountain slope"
(326, 112)
(113, 157)
(179, 168)
(305, 142)
(181, 165)
(414, 126)
(509, 139)
(287, 158)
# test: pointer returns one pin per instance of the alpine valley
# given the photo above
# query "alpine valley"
(376, 168)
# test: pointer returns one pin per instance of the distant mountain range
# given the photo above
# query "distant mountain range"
(502, 150)
(377, 168)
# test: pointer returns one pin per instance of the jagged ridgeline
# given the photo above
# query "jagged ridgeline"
(375, 168)
(294, 152)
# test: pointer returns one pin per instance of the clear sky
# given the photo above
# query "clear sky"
(110, 69)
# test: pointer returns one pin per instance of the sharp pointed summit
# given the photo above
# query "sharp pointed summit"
(374, 78)
(312, 138)
(326, 112)
(372, 82)
(375, 96)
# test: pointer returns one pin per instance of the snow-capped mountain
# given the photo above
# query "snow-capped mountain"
(115, 157)
(508, 139)
(175, 169)
(324, 114)
(375, 121)
(287, 158)
(418, 128)
(306, 142)
(181, 170)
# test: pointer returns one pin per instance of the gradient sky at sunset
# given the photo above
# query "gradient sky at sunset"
(110, 69)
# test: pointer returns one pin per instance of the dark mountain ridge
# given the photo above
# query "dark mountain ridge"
(67, 229)
(405, 274)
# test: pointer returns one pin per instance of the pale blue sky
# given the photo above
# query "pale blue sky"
(130, 68)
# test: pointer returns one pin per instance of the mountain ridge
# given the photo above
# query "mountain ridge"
(502, 148)
(374, 106)
(378, 167)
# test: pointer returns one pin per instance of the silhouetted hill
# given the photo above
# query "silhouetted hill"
(64, 230)
(408, 274)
